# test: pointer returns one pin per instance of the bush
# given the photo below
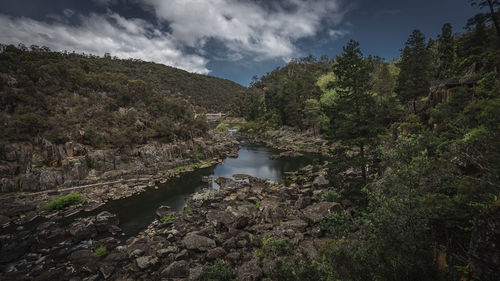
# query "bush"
(165, 219)
(279, 247)
(100, 252)
(331, 196)
(216, 272)
(74, 198)
(335, 225)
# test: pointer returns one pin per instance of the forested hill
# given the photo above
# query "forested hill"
(415, 154)
(104, 100)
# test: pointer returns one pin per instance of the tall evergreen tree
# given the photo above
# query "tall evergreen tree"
(353, 113)
(446, 51)
(415, 76)
(493, 7)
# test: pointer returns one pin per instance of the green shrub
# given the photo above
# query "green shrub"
(331, 196)
(259, 253)
(100, 252)
(216, 272)
(279, 246)
(74, 198)
(335, 225)
(186, 210)
(166, 218)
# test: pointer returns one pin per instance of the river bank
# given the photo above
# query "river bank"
(248, 225)
(23, 207)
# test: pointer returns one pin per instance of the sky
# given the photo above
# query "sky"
(232, 39)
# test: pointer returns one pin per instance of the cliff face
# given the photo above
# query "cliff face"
(35, 167)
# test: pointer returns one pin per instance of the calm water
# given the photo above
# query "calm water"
(138, 211)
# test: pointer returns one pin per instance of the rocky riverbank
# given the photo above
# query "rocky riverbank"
(289, 139)
(248, 225)
(151, 163)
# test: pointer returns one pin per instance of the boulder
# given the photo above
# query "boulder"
(320, 181)
(249, 271)
(146, 261)
(216, 253)
(193, 241)
(316, 212)
(296, 225)
(163, 211)
(177, 269)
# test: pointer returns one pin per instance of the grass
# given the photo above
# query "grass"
(257, 205)
(186, 210)
(74, 198)
(100, 252)
(259, 253)
(166, 218)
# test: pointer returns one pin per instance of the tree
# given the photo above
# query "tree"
(446, 51)
(493, 15)
(415, 65)
(353, 115)
(312, 112)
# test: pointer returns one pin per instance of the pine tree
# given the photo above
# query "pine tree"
(446, 51)
(414, 78)
(353, 114)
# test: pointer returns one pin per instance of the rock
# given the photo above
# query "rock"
(169, 250)
(217, 217)
(215, 253)
(296, 225)
(249, 271)
(146, 261)
(177, 269)
(104, 220)
(136, 253)
(303, 202)
(241, 176)
(316, 212)
(484, 251)
(192, 241)
(107, 270)
(320, 181)
(184, 254)
(163, 211)
(286, 154)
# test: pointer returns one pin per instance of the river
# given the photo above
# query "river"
(138, 211)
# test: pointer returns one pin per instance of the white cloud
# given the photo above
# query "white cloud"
(99, 34)
(246, 27)
(335, 34)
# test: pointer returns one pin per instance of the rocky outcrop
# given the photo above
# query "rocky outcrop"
(294, 141)
(43, 166)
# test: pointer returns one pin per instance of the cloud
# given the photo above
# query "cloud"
(335, 34)
(264, 30)
(99, 34)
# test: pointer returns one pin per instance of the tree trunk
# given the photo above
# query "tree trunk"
(362, 155)
(494, 17)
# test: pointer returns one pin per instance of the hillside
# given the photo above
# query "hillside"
(103, 101)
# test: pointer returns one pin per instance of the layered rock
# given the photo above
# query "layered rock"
(28, 167)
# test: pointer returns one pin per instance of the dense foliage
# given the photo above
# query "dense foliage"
(420, 139)
(103, 101)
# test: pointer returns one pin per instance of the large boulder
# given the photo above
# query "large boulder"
(318, 211)
(193, 241)
(146, 261)
(177, 269)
